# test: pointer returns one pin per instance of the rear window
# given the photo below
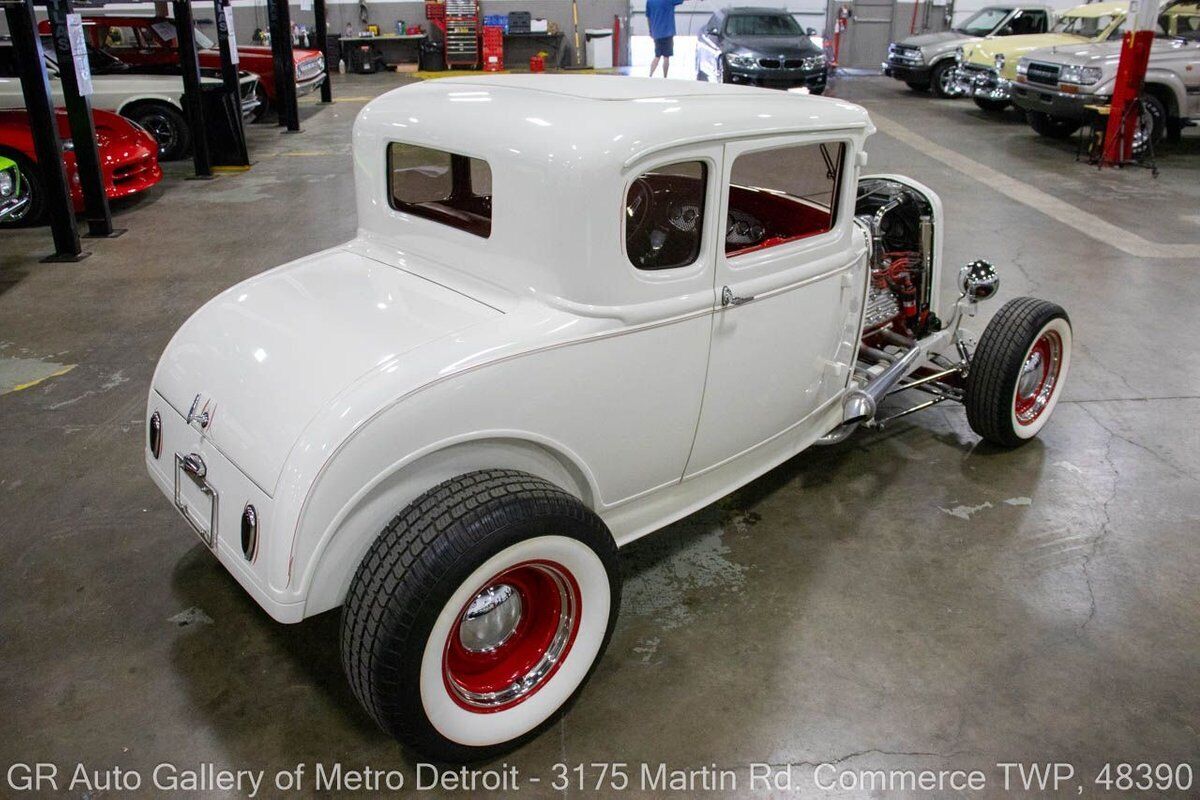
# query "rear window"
(449, 188)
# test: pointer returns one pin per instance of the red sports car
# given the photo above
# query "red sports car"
(150, 44)
(128, 160)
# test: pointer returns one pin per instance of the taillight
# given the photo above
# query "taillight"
(155, 434)
(249, 532)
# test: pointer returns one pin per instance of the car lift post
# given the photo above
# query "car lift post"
(229, 75)
(193, 100)
(83, 129)
(1124, 112)
(279, 19)
(321, 24)
(27, 47)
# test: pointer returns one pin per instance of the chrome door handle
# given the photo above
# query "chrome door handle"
(728, 298)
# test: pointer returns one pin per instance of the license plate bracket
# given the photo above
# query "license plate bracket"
(195, 497)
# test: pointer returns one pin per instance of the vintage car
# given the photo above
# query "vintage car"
(760, 47)
(987, 69)
(613, 304)
(927, 61)
(149, 44)
(155, 102)
(128, 161)
(1056, 86)
(12, 199)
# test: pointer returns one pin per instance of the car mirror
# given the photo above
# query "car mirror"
(978, 280)
(714, 32)
(811, 31)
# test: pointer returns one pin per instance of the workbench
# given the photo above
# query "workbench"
(389, 48)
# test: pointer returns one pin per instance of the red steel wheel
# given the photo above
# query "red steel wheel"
(512, 636)
(1039, 376)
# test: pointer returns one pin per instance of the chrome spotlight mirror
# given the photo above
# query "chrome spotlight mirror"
(978, 280)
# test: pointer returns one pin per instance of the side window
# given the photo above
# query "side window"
(783, 195)
(449, 188)
(1040, 24)
(664, 216)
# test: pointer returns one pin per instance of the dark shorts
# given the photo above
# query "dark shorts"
(664, 47)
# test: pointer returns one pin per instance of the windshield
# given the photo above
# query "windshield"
(984, 21)
(762, 25)
(1181, 22)
(1090, 27)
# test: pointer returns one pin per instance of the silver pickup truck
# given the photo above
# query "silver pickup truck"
(926, 61)
(1056, 86)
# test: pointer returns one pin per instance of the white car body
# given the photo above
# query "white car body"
(340, 387)
(117, 93)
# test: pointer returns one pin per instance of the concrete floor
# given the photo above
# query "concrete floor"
(908, 599)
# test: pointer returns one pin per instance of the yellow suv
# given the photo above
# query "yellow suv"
(986, 69)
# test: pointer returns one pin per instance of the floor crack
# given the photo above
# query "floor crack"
(1106, 525)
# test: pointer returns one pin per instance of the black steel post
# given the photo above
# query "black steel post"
(277, 61)
(83, 129)
(229, 75)
(31, 64)
(321, 24)
(285, 80)
(193, 99)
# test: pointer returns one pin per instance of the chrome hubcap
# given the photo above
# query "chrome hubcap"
(491, 619)
(1031, 375)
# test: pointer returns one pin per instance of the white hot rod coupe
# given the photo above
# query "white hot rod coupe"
(577, 309)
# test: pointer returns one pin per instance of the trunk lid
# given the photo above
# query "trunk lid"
(268, 354)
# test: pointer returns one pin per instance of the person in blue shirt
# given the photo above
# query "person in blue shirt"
(661, 16)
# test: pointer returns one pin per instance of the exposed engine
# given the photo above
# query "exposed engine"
(901, 223)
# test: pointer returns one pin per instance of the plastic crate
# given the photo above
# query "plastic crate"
(493, 36)
(496, 21)
(519, 21)
(493, 59)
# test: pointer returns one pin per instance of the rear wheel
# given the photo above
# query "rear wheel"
(991, 105)
(1052, 127)
(1152, 124)
(479, 614)
(167, 125)
(32, 187)
(1018, 370)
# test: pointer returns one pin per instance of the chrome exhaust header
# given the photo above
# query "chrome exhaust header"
(861, 404)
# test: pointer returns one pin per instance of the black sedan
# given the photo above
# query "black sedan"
(759, 47)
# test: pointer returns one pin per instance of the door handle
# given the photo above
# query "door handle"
(728, 298)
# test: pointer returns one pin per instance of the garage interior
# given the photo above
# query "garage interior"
(910, 597)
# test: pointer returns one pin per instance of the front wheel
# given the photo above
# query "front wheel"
(1018, 370)
(479, 613)
(993, 106)
(943, 80)
(34, 211)
(168, 127)
(1052, 127)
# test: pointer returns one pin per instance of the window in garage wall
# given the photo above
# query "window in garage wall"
(782, 195)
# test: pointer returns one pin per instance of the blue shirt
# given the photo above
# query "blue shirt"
(661, 16)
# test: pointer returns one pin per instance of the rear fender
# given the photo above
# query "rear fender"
(345, 544)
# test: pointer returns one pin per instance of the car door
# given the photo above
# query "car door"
(788, 288)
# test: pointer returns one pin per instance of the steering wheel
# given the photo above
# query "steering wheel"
(641, 199)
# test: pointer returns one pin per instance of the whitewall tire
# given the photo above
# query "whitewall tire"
(479, 614)
(1018, 371)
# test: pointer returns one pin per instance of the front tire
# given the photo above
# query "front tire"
(1052, 127)
(1018, 370)
(479, 613)
(168, 127)
(34, 212)
(941, 80)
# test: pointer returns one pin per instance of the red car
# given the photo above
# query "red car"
(128, 160)
(149, 44)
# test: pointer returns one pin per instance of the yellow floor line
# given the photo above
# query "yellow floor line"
(21, 386)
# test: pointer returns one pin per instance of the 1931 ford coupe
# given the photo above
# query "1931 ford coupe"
(577, 309)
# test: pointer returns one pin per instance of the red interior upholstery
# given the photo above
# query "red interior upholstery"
(785, 218)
